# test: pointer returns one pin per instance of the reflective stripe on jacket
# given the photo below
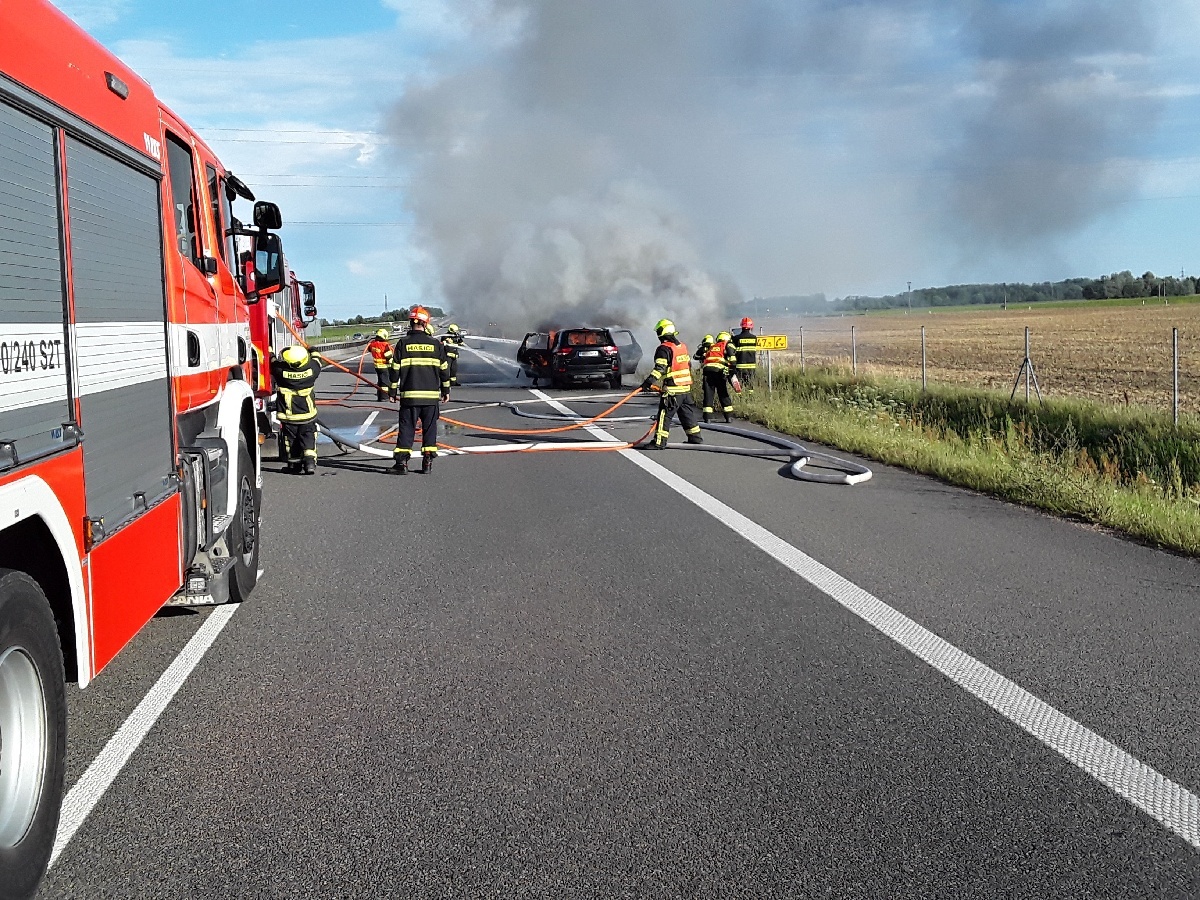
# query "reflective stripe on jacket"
(745, 344)
(381, 353)
(673, 367)
(294, 390)
(714, 359)
(420, 370)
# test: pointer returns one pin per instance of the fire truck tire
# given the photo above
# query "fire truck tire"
(244, 531)
(33, 734)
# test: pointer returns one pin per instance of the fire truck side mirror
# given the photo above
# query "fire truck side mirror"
(309, 295)
(268, 263)
(266, 215)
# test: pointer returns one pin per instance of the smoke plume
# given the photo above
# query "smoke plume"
(620, 161)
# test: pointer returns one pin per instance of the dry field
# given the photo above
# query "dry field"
(1116, 354)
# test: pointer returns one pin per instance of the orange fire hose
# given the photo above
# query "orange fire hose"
(571, 427)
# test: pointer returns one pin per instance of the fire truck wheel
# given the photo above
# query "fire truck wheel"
(33, 733)
(244, 532)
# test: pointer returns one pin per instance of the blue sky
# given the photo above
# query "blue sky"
(298, 97)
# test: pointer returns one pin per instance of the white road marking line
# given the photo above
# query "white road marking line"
(594, 430)
(362, 429)
(1171, 804)
(495, 362)
(86, 792)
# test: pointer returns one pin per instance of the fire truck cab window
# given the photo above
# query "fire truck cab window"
(183, 197)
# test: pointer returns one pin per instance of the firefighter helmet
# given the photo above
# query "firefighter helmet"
(747, 323)
(665, 327)
(382, 333)
(295, 355)
(452, 328)
(419, 314)
(724, 336)
(708, 339)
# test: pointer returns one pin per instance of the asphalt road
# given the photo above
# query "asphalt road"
(551, 675)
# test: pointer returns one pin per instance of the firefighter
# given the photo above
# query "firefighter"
(381, 355)
(672, 374)
(716, 376)
(421, 378)
(453, 340)
(295, 372)
(705, 343)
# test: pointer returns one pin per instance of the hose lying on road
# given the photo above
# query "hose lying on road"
(836, 469)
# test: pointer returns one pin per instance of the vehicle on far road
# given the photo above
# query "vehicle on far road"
(570, 355)
(358, 336)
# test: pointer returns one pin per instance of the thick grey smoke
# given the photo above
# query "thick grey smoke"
(618, 161)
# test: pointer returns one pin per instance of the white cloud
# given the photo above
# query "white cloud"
(92, 14)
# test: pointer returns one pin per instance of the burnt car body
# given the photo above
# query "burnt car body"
(572, 354)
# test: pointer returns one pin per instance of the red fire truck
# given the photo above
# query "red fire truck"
(129, 471)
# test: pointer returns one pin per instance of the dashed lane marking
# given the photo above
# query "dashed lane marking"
(87, 791)
(362, 429)
(1169, 803)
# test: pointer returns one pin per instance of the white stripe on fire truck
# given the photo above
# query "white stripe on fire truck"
(114, 355)
(33, 365)
(218, 345)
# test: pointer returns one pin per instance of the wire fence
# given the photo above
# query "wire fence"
(1146, 360)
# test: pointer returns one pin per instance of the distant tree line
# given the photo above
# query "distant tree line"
(1106, 287)
(392, 315)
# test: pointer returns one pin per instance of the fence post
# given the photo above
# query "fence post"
(802, 367)
(853, 351)
(924, 378)
(1026, 364)
(770, 383)
(1175, 376)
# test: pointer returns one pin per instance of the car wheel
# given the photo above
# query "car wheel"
(615, 382)
(244, 531)
(33, 733)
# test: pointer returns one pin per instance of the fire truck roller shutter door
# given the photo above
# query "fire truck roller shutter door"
(120, 334)
(33, 338)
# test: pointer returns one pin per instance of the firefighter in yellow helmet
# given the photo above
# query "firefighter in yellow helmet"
(452, 342)
(716, 377)
(672, 374)
(295, 372)
(380, 349)
(705, 343)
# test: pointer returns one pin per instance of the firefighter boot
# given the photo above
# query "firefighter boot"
(427, 463)
(400, 467)
(695, 438)
(310, 466)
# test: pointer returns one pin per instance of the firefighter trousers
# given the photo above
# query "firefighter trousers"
(668, 406)
(453, 371)
(383, 377)
(300, 439)
(409, 416)
(746, 377)
(716, 388)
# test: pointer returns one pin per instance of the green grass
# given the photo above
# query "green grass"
(343, 332)
(1127, 469)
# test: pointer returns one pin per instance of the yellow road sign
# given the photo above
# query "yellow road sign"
(772, 342)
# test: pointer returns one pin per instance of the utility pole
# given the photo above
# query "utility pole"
(908, 296)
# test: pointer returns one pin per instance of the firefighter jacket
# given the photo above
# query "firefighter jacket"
(672, 367)
(744, 345)
(420, 370)
(451, 344)
(716, 359)
(294, 401)
(699, 355)
(381, 353)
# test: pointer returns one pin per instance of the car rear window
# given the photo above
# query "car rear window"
(588, 338)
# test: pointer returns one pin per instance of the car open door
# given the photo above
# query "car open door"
(534, 354)
(631, 350)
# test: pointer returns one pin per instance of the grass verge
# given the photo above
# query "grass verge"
(1128, 469)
